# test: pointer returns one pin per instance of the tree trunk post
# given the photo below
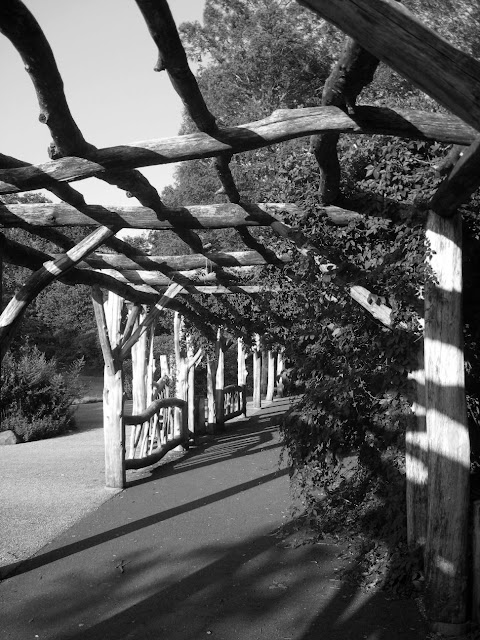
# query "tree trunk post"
(220, 380)
(448, 438)
(211, 414)
(416, 461)
(181, 376)
(264, 372)
(191, 389)
(139, 379)
(108, 318)
(271, 376)
(240, 363)
(257, 365)
(476, 562)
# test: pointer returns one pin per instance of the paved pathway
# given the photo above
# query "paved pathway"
(189, 551)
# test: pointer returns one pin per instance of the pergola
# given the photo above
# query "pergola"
(438, 454)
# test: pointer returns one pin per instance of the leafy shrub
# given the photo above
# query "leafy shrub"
(36, 399)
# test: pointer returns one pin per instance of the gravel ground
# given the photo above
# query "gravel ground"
(48, 485)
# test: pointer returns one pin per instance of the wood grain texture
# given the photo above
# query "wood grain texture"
(393, 34)
(215, 216)
(48, 272)
(460, 184)
(447, 428)
(282, 125)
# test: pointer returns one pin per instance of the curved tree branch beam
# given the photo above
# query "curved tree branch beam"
(352, 72)
(163, 303)
(394, 35)
(21, 28)
(282, 125)
(50, 271)
(208, 261)
(173, 59)
(215, 216)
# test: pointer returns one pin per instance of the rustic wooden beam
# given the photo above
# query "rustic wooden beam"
(257, 374)
(207, 261)
(462, 182)
(214, 216)
(50, 271)
(395, 36)
(282, 125)
(19, 25)
(352, 72)
(15, 253)
(173, 59)
(222, 289)
(164, 302)
(21, 28)
(113, 407)
(446, 567)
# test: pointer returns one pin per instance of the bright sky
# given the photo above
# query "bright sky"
(106, 57)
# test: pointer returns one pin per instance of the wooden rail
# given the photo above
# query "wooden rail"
(234, 401)
(157, 435)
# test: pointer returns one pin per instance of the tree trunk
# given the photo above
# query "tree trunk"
(257, 366)
(448, 438)
(416, 461)
(271, 376)
(220, 381)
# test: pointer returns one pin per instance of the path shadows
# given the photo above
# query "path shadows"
(252, 436)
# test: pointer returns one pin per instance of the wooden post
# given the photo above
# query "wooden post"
(108, 318)
(211, 414)
(181, 376)
(200, 426)
(264, 373)
(191, 390)
(139, 378)
(271, 376)
(476, 562)
(220, 379)
(240, 363)
(279, 381)
(416, 461)
(448, 438)
(257, 396)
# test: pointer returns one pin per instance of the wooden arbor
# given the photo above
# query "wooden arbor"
(387, 32)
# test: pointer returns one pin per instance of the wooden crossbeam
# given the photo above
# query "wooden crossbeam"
(282, 125)
(48, 272)
(208, 261)
(393, 34)
(173, 59)
(215, 216)
(460, 184)
(20, 26)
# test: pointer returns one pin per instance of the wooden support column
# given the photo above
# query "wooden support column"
(279, 381)
(264, 373)
(271, 376)
(211, 413)
(257, 366)
(181, 375)
(476, 562)
(241, 368)
(108, 318)
(220, 379)
(448, 438)
(139, 378)
(416, 460)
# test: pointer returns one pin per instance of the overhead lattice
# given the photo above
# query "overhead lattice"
(142, 278)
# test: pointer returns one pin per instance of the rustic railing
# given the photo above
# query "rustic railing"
(159, 429)
(234, 401)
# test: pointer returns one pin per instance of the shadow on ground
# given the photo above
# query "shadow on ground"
(193, 550)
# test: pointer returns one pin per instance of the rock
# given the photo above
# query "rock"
(8, 437)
